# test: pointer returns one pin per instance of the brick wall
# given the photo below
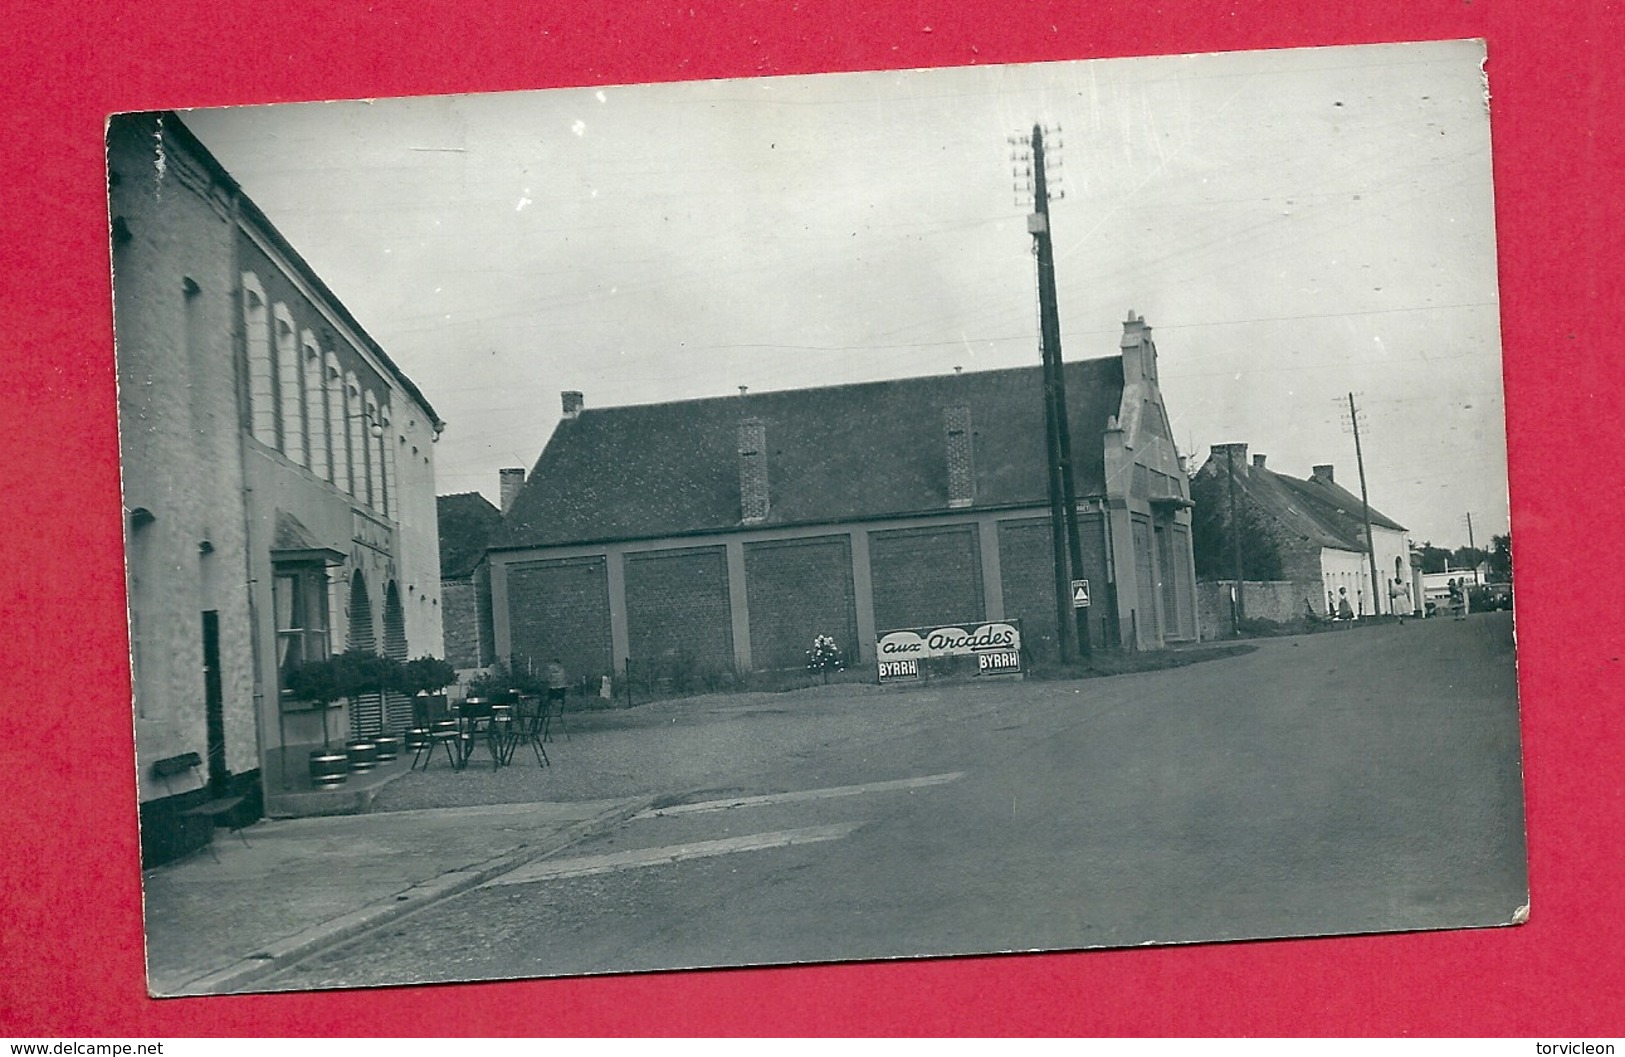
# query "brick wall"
(1277, 600)
(560, 608)
(926, 576)
(753, 486)
(1300, 565)
(459, 601)
(483, 611)
(796, 590)
(677, 607)
(1027, 565)
(956, 427)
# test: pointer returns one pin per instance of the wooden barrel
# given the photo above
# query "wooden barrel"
(389, 746)
(363, 754)
(416, 738)
(328, 767)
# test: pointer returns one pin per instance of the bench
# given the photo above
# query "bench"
(217, 810)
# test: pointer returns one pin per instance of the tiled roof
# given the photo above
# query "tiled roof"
(835, 454)
(292, 535)
(1336, 505)
(467, 521)
(1315, 508)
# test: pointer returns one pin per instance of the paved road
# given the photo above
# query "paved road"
(1354, 781)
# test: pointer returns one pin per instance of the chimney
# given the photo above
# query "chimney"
(513, 479)
(1325, 474)
(573, 403)
(1139, 353)
(1223, 454)
(753, 470)
(961, 455)
(1258, 461)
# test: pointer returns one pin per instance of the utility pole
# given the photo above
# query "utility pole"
(1365, 511)
(1237, 607)
(1470, 545)
(1057, 522)
(1060, 431)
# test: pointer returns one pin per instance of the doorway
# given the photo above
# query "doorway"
(214, 709)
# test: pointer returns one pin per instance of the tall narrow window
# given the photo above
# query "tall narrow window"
(375, 454)
(388, 443)
(197, 365)
(333, 384)
(257, 332)
(355, 417)
(292, 389)
(315, 405)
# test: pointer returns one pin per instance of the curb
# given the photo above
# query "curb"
(286, 952)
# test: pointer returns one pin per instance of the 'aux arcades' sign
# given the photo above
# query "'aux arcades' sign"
(995, 645)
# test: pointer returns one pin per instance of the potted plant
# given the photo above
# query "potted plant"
(320, 684)
(424, 675)
(420, 678)
(361, 672)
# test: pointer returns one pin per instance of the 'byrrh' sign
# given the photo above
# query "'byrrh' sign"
(995, 645)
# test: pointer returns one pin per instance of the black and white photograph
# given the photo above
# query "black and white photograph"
(824, 518)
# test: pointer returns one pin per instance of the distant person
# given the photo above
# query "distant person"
(558, 683)
(1344, 610)
(1331, 605)
(1458, 599)
(1400, 596)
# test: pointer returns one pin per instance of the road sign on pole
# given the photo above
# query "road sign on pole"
(1080, 594)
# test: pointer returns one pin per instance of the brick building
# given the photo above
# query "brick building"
(467, 522)
(278, 478)
(728, 532)
(1309, 532)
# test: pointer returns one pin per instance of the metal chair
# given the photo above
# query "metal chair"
(476, 723)
(531, 728)
(438, 728)
(556, 713)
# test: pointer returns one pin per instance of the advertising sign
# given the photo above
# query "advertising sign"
(996, 645)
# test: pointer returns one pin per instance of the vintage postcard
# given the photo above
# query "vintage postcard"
(854, 516)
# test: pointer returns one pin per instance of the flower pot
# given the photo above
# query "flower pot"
(363, 754)
(389, 746)
(328, 768)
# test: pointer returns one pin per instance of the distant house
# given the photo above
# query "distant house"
(731, 531)
(1308, 531)
(1436, 586)
(278, 474)
(467, 522)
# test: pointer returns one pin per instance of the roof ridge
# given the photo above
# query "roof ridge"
(840, 386)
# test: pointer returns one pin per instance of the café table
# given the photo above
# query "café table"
(483, 721)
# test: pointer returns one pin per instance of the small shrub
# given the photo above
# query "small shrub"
(824, 657)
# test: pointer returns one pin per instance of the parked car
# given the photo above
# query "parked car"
(1492, 596)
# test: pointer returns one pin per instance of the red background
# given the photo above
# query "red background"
(70, 942)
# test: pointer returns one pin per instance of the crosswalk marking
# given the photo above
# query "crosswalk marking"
(803, 794)
(550, 870)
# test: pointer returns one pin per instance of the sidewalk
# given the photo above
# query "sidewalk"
(305, 884)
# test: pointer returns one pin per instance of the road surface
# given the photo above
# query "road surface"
(1362, 780)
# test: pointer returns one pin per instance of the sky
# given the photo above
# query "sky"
(1294, 225)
